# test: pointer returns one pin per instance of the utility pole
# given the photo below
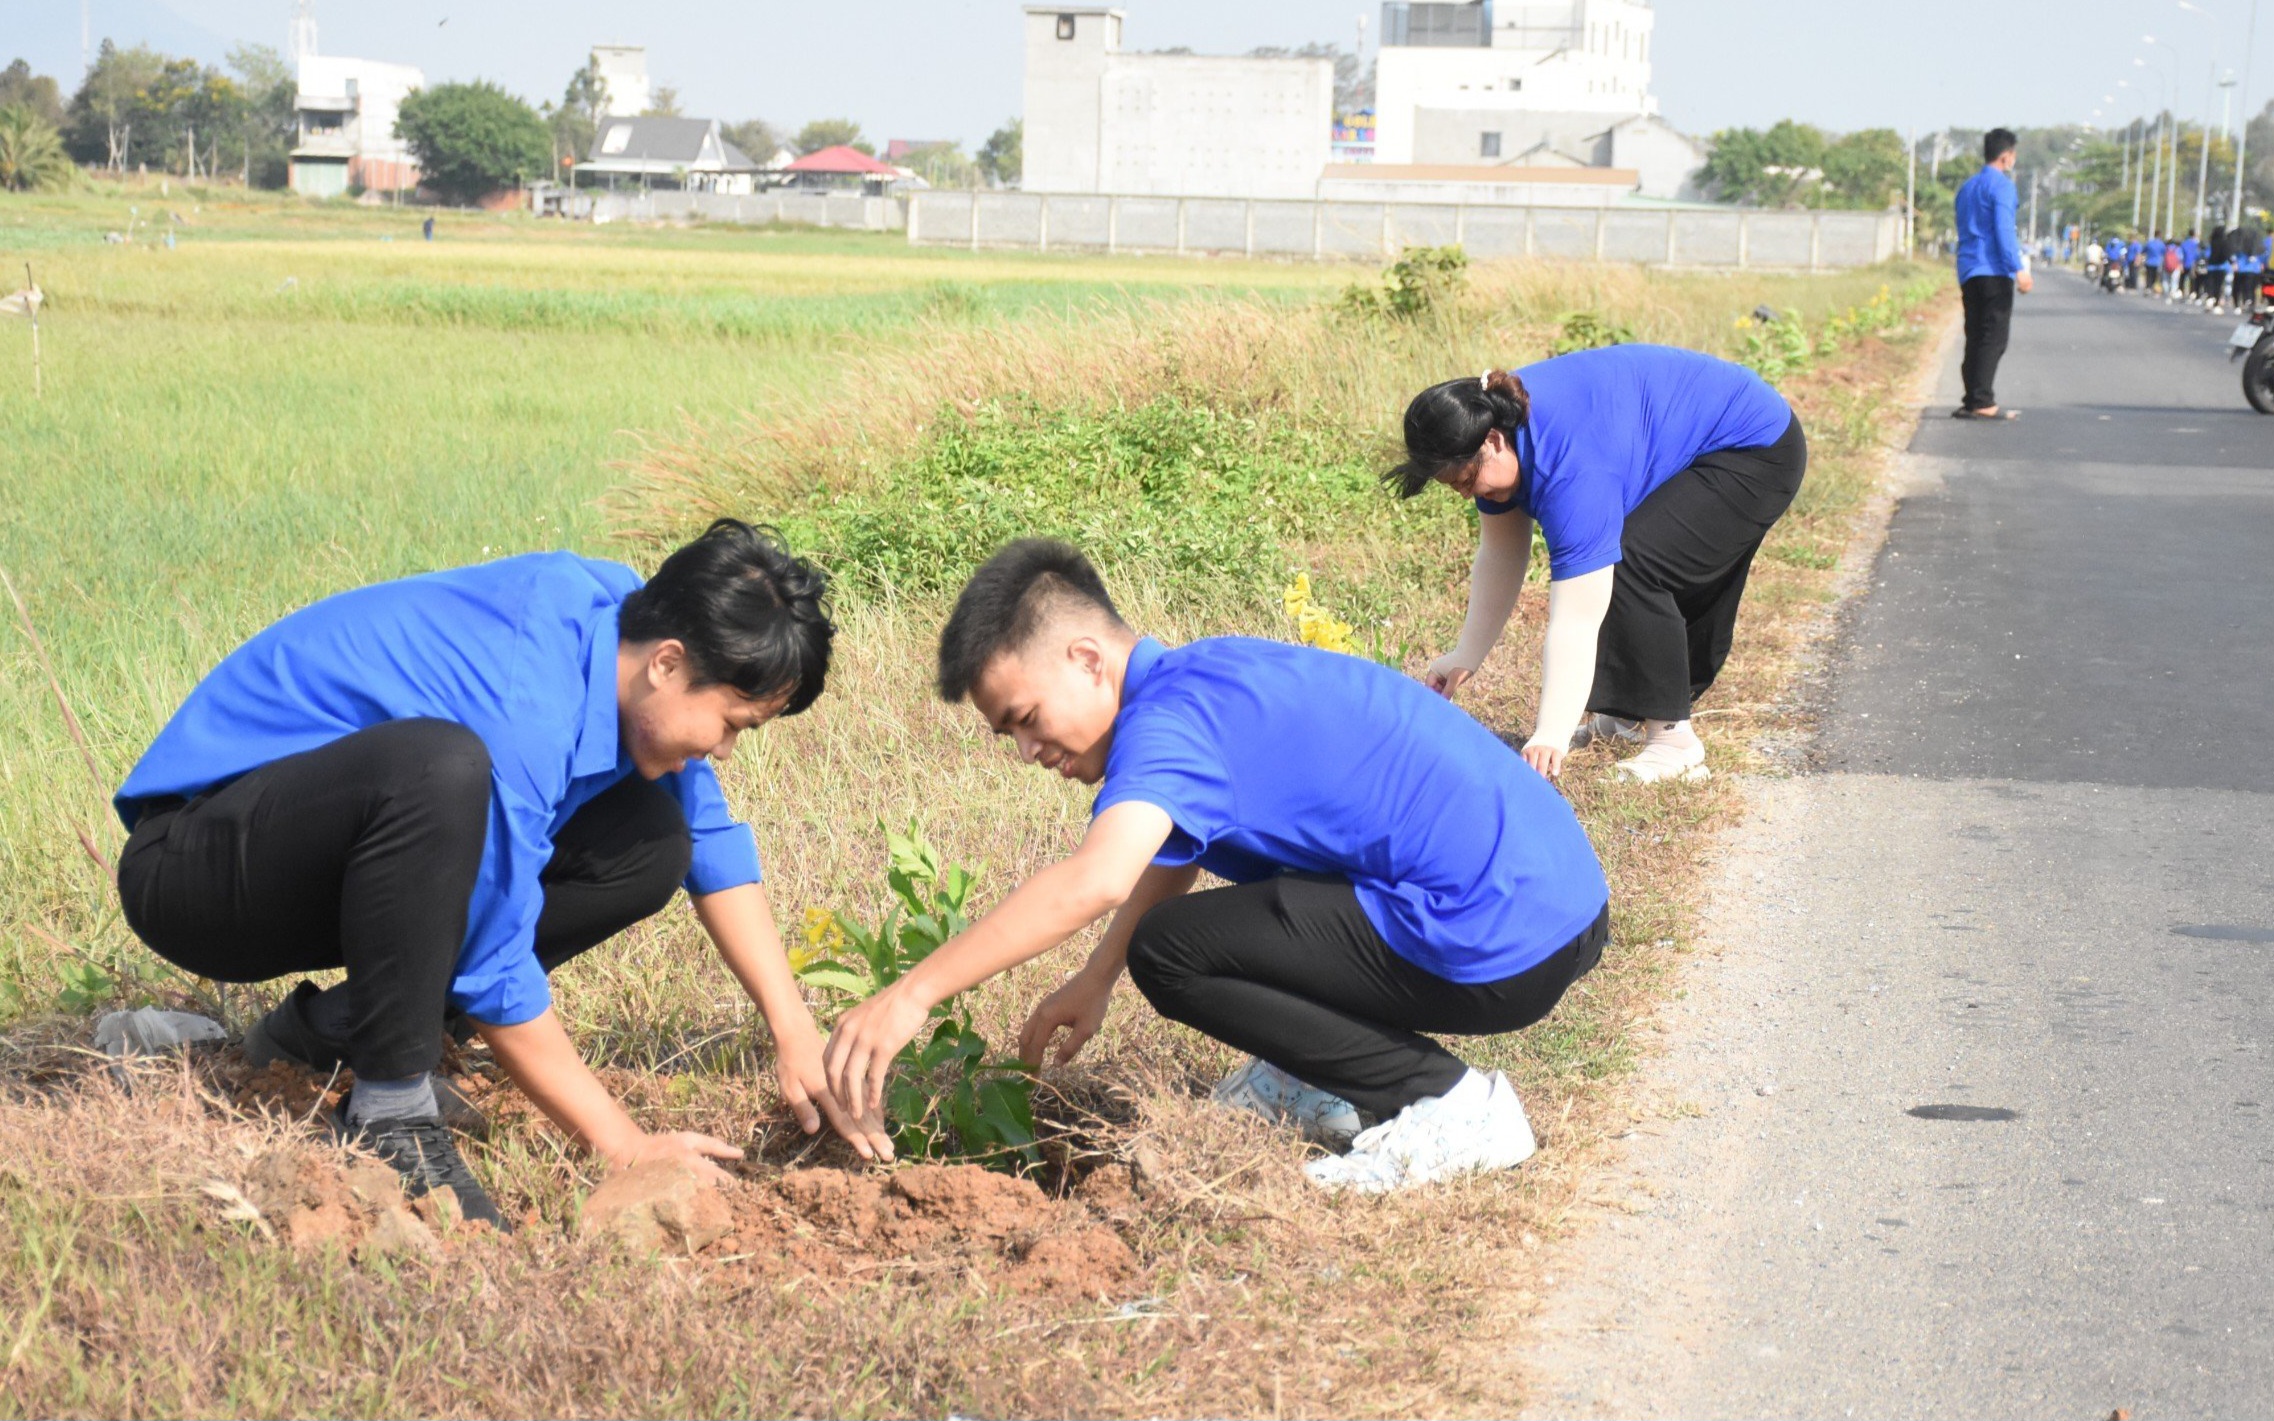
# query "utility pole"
(2139, 168)
(1911, 197)
(2242, 143)
(86, 36)
(2033, 205)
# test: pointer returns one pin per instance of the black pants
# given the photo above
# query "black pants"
(1989, 317)
(362, 854)
(1290, 970)
(1684, 556)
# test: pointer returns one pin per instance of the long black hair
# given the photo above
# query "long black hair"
(1446, 425)
(750, 614)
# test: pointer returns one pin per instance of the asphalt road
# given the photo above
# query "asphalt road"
(1970, 1109)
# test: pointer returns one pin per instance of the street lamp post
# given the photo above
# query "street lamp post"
(2242, 143)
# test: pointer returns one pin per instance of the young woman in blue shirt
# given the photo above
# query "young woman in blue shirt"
(1653, 475)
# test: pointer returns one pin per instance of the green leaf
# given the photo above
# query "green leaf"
(836, 979)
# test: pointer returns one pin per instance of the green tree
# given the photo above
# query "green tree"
(1001, 156)
(575, 121)
(21, 88)
(941, 165)
(99, 127)
(753, 136)
(1864, 169)
(829, 133)
(267, 124)
(472, 139)
(31, 152)
(663, 102)
(1781, 167)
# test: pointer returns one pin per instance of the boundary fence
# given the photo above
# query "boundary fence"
(1331, 228)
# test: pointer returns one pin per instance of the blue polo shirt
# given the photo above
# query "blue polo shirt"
(1272, 758)
(1608, 426)
(523, 653)
(2154, 252)
(1983, 212)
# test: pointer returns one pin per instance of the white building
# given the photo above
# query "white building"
(1100, 120)
(345, 126)
(623, 69)
(1482, 83)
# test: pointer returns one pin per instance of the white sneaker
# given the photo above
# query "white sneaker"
(1266, 1090)
(1673, 752)
(1477, 1125)
(1607, 728)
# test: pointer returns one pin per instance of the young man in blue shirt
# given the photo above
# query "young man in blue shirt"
(452, 784)
(1394, 870)
(1990, 271)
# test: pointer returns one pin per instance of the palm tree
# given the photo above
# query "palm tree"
(31, 153)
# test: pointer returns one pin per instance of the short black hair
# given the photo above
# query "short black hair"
(1997, 143)
(751, 615)
(1447, 424)
(1006, 602)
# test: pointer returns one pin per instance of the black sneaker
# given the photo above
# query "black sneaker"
(421, 1151)
(286, 1034)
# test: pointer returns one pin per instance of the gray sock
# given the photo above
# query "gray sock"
(391, 1100)
(331, 1012)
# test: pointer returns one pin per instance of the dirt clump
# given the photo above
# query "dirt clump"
(314, 1204)
(663, 1206)
(1086, 1263)
(932, 1217)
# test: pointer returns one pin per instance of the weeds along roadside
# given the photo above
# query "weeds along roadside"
(1264, 1299)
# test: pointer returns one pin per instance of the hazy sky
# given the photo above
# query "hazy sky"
(950, 68)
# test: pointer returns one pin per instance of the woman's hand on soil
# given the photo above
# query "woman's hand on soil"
(859, 1058)
(1445, 676)
(1078, 1006)
(1547, 759)
(684, 1145)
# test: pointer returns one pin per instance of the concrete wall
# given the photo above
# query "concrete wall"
(1371, 231)
(1098, 120)
(812, 209)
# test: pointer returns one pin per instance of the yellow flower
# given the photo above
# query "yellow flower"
(1297, 596)
(823, 937)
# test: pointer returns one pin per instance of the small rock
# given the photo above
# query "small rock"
(1091, 1263)
(1146, 1167)
(398, 1233)
(660, 1206)
(1765, 1088)
(1110, 1189)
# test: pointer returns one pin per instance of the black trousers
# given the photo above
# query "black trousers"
(1289, 969)
(1989, 318)
(1683, 559)
(363, 854)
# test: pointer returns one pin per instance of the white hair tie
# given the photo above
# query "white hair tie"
(1485, 379)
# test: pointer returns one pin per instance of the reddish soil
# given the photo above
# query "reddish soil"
(927, 1218)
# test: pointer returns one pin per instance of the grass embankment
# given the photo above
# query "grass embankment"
(1206, 451)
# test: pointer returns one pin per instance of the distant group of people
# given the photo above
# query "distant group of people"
(2225, 270)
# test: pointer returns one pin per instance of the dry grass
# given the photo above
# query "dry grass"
(122, 1289)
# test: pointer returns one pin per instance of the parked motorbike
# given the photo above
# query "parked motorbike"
(2253, 342)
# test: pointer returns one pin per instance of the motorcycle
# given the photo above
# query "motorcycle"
(2111, 276)
(2253, 341)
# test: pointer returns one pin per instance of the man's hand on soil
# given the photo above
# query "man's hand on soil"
(1078, 1006)
(685, 1145)
(858, 1059)
(805, 1085)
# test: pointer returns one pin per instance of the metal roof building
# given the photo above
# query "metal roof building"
(689, 153)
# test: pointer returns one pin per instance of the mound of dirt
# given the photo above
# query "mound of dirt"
(837, 1222)
(310, 1203)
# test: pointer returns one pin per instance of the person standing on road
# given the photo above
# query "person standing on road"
(1653, 474)
(1990, 270)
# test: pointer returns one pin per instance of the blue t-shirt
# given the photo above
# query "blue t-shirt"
(2116, 251)
(1983, 212)
(2154, 250)
(1272, 758)
(1609, 426)
(2188, 250)
(522, 652)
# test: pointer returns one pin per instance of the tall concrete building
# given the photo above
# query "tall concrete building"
(1103, 120)
(623, 68)
(344, 126)
(1528, 85)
